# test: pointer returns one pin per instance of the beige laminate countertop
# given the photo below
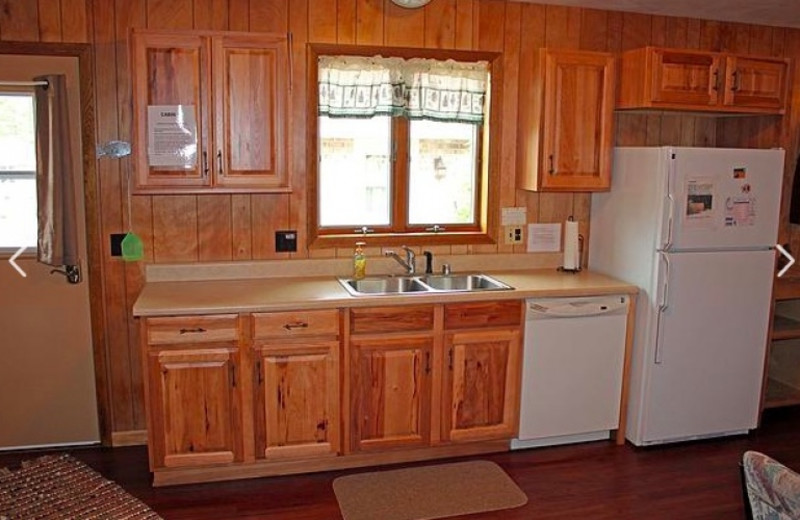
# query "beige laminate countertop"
(271, 294)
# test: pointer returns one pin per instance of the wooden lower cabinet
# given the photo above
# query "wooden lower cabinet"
(297, 400)
(390, 383)
(193, 407)
(257, 394)
(481, 385)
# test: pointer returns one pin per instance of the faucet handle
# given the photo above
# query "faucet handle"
(428, 262)
(446, 269)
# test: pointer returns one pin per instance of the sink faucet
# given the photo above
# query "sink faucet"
(410, 262)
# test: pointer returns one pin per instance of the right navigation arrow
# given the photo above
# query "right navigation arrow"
(789, 257)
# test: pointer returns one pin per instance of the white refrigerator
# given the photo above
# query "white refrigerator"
(695, 229)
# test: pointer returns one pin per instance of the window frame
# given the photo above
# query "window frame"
(486, 192)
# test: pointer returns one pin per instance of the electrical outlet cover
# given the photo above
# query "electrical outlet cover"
(513, 234)
(285, 241)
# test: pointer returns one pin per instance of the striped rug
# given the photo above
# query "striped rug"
(58, 487)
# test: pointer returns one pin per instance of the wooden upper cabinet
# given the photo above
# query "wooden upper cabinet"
(680, 79)
(231, 90)
(566, 121)
(757, 83)
(687, 78)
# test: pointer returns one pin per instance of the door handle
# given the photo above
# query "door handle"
(663, 306)
(670, 220)
(71, 272)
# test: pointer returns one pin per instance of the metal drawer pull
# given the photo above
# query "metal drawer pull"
(296, 325)
(198, 330)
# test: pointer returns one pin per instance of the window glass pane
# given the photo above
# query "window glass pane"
(354, 171)
(442, 173)
(17, 171)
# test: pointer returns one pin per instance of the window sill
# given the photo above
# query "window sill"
(408, 239)
(7, 252)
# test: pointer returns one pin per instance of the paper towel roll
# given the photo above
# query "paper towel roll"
(571, 245)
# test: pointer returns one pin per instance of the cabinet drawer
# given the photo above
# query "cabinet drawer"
(192, 329)
(482, 314)
(292, 324)
(391, 319)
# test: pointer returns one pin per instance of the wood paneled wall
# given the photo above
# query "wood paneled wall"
(199, 228)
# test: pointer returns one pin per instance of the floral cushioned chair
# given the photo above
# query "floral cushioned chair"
(772, 489)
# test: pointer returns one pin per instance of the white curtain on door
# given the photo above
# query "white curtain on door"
(58, 232)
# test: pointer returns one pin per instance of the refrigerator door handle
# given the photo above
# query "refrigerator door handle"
(663, 306)
(670, 219)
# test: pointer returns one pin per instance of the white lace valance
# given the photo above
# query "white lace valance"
(358, 86)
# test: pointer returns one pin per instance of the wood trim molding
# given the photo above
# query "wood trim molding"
(262, 468)
(488, 183)
(129, 438)
(83, 52)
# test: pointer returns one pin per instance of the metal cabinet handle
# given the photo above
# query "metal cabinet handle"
(219, 162)
(736, 81)
(296, 325)
(715, 86)
(205, 163)
(552, 169)
(198, 330)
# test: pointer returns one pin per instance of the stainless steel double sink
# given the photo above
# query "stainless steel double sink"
(421, 284)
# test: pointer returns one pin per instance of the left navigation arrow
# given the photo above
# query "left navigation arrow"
(14, 264)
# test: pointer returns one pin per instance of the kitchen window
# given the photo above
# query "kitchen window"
(17, 171)
(402, 147)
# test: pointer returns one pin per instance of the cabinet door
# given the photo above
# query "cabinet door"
(390, 392)
(297, 401)
(193, 407)
(251, 89)
(170, 99)
(481, 385)
(578, 121)
(756, 83)
(684, 79)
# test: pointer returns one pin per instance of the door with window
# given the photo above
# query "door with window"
(47, 380)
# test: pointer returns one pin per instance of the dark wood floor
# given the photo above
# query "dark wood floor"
(698, 480)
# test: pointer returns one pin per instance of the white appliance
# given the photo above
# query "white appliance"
(694, 228)
(572, 363)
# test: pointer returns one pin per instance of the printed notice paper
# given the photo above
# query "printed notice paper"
(171, 136)
(700, 203)
(544, 238)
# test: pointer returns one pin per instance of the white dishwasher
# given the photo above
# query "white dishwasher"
(572, 365)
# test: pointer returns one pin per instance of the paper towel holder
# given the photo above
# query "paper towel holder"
(577, 267)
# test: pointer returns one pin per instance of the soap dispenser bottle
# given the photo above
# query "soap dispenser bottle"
(359, 262)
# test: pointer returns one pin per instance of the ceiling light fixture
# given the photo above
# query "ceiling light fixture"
(410, 4)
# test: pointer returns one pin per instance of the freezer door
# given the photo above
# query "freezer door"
(704, 375)
(722, 198)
